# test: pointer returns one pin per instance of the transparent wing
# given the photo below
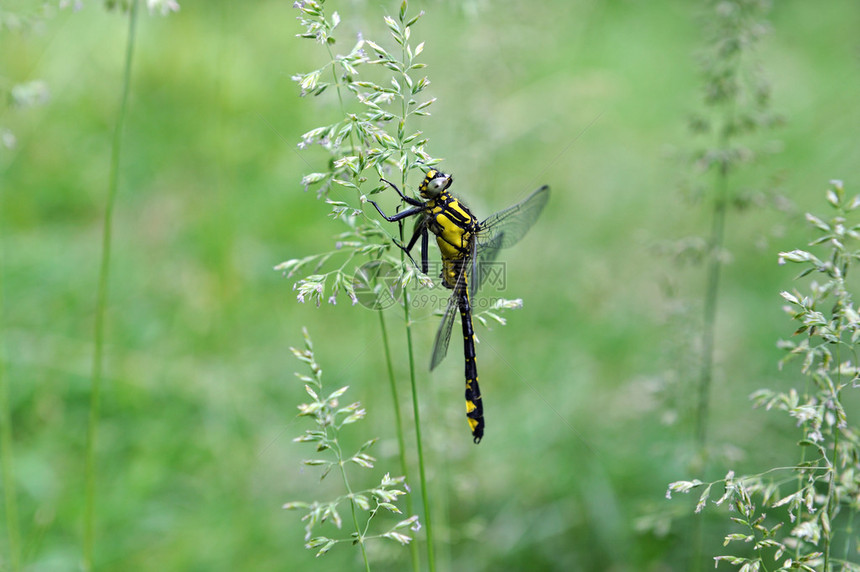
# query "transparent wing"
(475, 276)
(502, 230)
(443, 334)
(508, 227)
(482, 260)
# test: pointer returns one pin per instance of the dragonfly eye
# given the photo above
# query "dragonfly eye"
(434, 183)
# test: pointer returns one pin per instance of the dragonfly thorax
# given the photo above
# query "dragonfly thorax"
(454, 226)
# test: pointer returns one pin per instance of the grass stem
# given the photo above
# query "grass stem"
(712, 290)
(102, 299)
(431, 561)
(716, 241)
(359, 533)
(10, 496)
(401, 441)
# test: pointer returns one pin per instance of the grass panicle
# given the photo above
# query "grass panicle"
(379, 92)
(736, 101)
(802, 516)
(736, 97)
(331, 418)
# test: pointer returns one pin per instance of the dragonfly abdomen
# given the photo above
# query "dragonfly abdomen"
(474, 406)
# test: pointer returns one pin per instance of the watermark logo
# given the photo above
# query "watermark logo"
(493, 274)
(377, 285)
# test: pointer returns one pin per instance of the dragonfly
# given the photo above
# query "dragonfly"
(468, 247)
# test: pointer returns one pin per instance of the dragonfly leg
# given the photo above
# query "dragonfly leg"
(425, 246)
(399, 216)
(406, 250)
(420, 231)
(410, 200)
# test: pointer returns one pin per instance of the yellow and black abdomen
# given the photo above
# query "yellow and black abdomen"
(474, 406)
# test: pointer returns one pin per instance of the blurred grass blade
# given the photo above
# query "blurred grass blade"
(101, 298)
(6, 457)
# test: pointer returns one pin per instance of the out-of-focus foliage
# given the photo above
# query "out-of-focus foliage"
(819, 490)
(195, 458)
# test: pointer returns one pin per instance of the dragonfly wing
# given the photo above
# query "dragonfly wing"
(502, 230)
(482, 258)
(443, 334)
(508, 227)
(474, 269)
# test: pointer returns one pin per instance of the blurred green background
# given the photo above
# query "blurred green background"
(588, 412)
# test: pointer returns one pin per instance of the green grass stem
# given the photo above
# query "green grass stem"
(716, 241)
(425, 498)
(359, 533)
(401, 441)
(431, 560)
(712, 292)
(10, 496)
(102, 299)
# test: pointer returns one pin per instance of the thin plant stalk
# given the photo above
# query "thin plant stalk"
(7, 460)
(398, 418)
(102, 298)
(425, 498)
(431, 560)
(358, 531)
(712, 291)
(829, 508)
(739, 101)
(711, 303)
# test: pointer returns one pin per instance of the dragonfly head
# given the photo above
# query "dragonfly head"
(434, 183)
